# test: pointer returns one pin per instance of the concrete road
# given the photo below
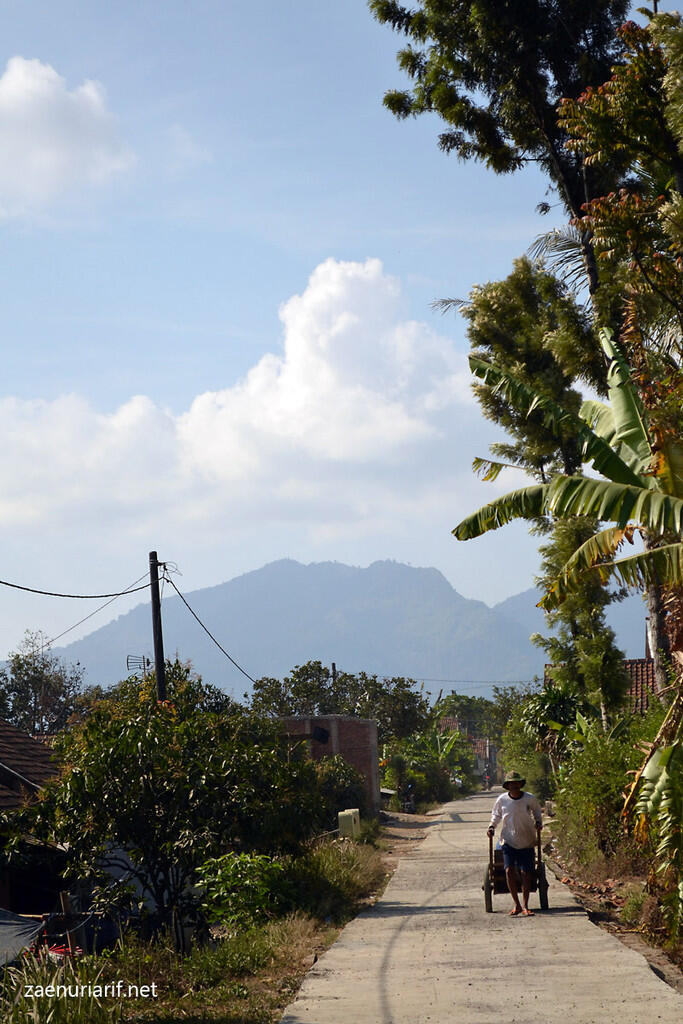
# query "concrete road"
(428, 952)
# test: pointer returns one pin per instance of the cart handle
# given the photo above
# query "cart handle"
(538, 848)
(491, 852)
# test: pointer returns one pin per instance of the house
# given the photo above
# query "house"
(26, 764)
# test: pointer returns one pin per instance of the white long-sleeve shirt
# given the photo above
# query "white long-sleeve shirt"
(519, 818)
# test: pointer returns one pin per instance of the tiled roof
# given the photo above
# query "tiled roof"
(642, 688)
(9, 799)
(22, 760)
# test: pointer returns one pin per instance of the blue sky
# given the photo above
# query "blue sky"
(219, 253)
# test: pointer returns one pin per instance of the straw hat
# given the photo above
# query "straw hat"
(513, 777)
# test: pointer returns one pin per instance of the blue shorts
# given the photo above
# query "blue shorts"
(523, 859)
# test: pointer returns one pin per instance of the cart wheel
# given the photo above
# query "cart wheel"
(543, 888)
(488, 892)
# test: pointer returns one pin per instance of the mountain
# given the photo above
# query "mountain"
(627, 618)
(389, 619)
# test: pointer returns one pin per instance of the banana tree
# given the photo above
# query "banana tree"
(639, 487)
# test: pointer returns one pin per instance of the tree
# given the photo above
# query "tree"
(640, 485)
(153, 789)
(473, 713)
(311, 689)
(495, 74)
(38, 691)
(530, 326)
(582, 649)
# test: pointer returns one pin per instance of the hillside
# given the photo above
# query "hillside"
(389, 619)
(627, 619)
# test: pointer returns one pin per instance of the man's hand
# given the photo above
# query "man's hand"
(490, 831)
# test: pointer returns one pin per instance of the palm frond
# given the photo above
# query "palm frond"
(562, 253)
(525, 503)
(615, 502)
(526, 400)
(489, 469)
(660, 566)
(444, 306)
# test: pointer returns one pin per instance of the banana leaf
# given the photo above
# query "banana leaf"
(526, 400)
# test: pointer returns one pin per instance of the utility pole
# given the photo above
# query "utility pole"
(159, 666)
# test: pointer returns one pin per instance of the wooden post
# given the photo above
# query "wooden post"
(159, 665)
(65, 901)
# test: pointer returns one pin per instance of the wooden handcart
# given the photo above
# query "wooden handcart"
(495, 881)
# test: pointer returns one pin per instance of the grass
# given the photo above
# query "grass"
(246, 978)
(249, 976)
(23, 998)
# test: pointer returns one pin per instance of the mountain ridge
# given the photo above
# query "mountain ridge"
(386, 619)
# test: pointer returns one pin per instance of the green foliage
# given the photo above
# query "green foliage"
(238, 888)
(311, 689)
(636, 228)
(633, 908)
(423, 765)
(155, 789)
(340, 786)
(329, 879)
(530, 327)
(519, 753)
(494, 74)
(660, 802)
(476, 715)
(38, 691)
(582, 648)
(589, 826)
(80, 1006)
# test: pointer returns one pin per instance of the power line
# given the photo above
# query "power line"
(476, 682)
(209, 633)
(128, 590)
(79, 597)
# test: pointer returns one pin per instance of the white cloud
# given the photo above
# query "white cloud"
(53, 139)
(359, 431)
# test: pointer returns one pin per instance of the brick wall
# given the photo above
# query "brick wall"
(354, 739)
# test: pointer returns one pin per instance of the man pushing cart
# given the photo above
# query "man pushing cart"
(519, 814)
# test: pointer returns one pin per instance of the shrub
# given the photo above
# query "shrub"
(340, 787)
(632, 909)
(590, 799)
(239, 888)
(328, 881)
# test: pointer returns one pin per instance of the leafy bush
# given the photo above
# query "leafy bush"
(239, 888)
(590, 799)
(340, 786)
(633, 908)
(158, 788)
